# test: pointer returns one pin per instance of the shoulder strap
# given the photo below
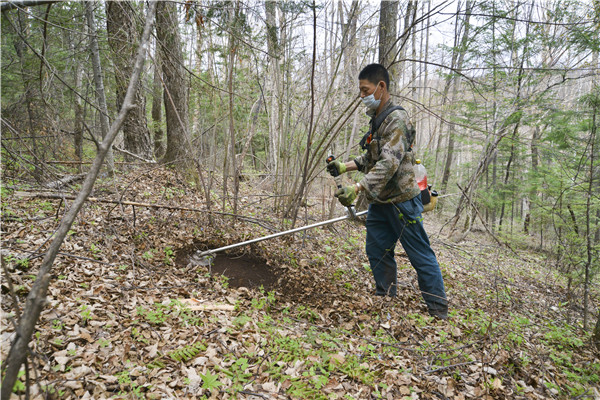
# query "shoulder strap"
(377, 121)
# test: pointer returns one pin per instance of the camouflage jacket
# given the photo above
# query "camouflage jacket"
(388, 166)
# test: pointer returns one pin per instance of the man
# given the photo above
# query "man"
(394, 197)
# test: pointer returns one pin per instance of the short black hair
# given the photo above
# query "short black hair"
(375, 73)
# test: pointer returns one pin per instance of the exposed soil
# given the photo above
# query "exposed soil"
(241, 270)
(253, 272)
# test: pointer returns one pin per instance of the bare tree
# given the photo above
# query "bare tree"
(174, 84)
(458, 56)
(388, 31)
(121, 24)
(99, 82)
(274, 84)
(159, 141)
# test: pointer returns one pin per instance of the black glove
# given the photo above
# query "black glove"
(336, 168)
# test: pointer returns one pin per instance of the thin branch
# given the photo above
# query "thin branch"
(11, 5)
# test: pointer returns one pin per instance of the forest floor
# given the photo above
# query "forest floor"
(132, 314)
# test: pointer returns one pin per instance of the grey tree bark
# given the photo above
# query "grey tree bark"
(21, 49)
(99, 82)
(159, 139)
(274, 85)
(175, 87)
(388, 19)
(36, 299)
(231, 68)
(121, 25)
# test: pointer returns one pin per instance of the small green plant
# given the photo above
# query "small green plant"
(46, 206)
(307, 313)
(241, 320)
(420, 319)
(148, 255)
(22, 263)
(52, 391)
(156, 317)
(85, 313)
(19, 386)
(168, 256)
(188, 352)
(103, 342)
(238, 373)
(338, 274)
(57, 324)
(210, 381)
(138, 336)
(95, 249)
(124, 379)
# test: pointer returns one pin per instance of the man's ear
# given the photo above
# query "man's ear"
(383, 85)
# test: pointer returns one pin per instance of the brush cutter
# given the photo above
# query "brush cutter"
(206, 256)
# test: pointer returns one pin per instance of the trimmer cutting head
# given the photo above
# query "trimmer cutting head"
(202, 258)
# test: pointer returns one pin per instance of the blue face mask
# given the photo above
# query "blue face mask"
(370, 102)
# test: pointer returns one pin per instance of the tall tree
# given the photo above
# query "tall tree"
(99, 81)
(159, 141)
(121, 24)
(175, 89)
(274, 84)
(388, 22)
(458, 56)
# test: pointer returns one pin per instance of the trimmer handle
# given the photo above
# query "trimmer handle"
(337, 177)
(338, 181)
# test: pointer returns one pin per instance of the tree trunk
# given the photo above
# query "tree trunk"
(274, 84)
(121, 25)
(458, 58)
(99, 82)
(231, 68)
(388, 19)
(36, 299)
(300, 195)
(589, 215)
(77, 104)
(174, 85)
(534, 169)
(159, 139)
(21, 50)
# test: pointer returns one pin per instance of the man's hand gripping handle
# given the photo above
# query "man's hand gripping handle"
(336, 169)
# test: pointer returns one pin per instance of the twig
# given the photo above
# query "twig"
(64, 181)
(134, 155)
(15, 299)
(449, 367)
(36, 254)
(483, 222)
(253, 394)
(133, 203)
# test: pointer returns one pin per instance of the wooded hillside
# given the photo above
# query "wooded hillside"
(135, 134)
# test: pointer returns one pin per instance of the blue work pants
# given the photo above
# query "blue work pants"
(386, 223)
